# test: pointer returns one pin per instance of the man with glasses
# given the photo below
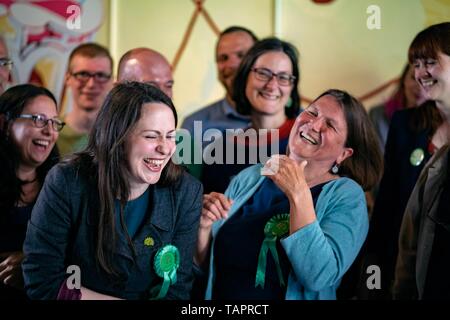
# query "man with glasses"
(5, 66)
(89, 78)
(146, 65)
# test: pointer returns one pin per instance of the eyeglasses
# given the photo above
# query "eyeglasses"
(266, 75)
(41, 121)
(6, 63)
(84, 76)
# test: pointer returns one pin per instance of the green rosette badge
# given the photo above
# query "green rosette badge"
(417, 157)
(166, 263)
(275, 228)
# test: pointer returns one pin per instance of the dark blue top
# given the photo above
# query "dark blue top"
(63, 231)
(235, 154)
(135, 212)
(236, 265)
(397, 183)
(13, 227)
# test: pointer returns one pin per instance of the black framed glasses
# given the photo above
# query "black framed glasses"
(84, 76)
(266, 75)
(41, 121)
(6, 63)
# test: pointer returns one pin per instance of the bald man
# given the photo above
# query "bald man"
(146, 65)
(149, 66)
(5, 65)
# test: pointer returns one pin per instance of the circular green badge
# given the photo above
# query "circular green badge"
(167, 259)
(166, 263)
(277, 226)
(417, 157)
(149, 242)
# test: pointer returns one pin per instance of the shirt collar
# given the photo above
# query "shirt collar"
(229, 111)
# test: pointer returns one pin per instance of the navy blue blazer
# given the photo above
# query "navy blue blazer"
(396, 185)
(62, 232)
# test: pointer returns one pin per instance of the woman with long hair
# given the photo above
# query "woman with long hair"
(424, 253)
(291, 229)
(120, 211)
(29, 127)
(415, 135)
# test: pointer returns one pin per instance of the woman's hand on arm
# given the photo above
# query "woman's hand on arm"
(215, 207)
(289, 176)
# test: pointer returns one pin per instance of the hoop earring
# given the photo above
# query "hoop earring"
(334, 169)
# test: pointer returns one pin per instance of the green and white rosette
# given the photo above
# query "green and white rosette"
(275, 228)
(166, 263)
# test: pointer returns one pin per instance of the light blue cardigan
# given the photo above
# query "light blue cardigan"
(321, 252)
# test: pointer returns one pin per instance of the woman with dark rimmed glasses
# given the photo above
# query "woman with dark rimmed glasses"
(29, 128)
(266, 89)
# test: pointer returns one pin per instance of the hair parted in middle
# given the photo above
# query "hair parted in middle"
(240, 81)
(104, 161)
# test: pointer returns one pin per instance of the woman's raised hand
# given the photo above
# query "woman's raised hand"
(287, 174)
(215, 206)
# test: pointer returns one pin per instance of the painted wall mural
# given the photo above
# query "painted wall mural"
(359, 46)
(41, 34)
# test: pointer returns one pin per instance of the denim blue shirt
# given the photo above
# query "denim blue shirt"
(219, 115)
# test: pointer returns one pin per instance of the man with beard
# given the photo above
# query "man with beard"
(233, 44)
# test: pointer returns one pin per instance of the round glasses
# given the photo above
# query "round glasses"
(266, 75)
(84, 76)
(41, 121)
(6, 63)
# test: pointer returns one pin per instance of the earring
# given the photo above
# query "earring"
(289, 103)
(335, 169)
